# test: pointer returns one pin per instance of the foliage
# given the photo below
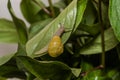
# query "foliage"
(90, 27)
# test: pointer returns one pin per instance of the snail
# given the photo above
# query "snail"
(55, 47)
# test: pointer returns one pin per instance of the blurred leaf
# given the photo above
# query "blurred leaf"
(86, 66)
(89, 19)
(20, 26)
(52, 70)
(60, 4)
(114, 16)
(38, 26)
(9, 70)
(88, 22)
(91, 29)
(76, 71)
(30, 10)
(30, 76)
(2, 78)
(7, 30)
(81, 6)
(5, 58)
(94, 46)
(95, 75)
(114, 74)
(41, 40)
(67, 1)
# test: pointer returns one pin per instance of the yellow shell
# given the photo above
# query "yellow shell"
(55, 47)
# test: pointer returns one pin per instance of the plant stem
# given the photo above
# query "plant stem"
(52, 8)
(102, 34)
(44, 9)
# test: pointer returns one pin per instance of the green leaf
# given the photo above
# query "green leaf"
(7, 30)
(20, 26)
(86, 66)
(95, 75)
(89, 19)
(52, 70)
(37, 27)
(41, 40)
(6, 58)
(10, 70)
(114, 16)
(81, 6)
(91, 29)
(31, 10)
(94, 46)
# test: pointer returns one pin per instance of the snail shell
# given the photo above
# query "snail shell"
(55, 47)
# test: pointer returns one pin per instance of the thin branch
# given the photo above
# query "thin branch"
(44, 9)
(102, 34)
(52, 8)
